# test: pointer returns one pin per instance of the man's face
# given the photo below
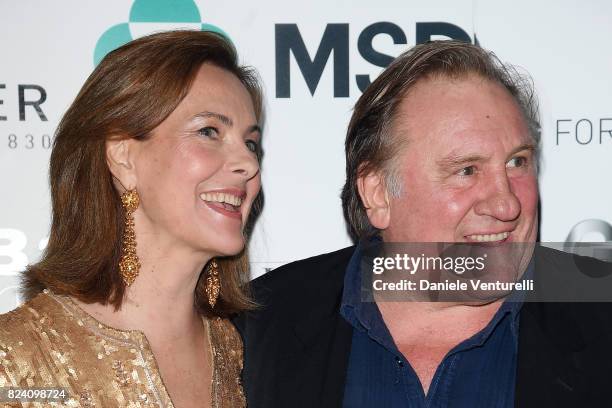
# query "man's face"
(467, 168)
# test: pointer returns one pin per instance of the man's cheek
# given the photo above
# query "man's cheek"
(527, 193)
(457, 205)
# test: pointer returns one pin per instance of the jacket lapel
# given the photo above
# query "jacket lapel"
(323, 340)
(548, 366)
(335, 379)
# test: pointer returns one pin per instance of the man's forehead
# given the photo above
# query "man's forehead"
(457, 111)
(430, 93)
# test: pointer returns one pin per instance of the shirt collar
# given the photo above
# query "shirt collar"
(365, 316)
(352, 307)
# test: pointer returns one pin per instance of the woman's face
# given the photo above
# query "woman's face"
(198, 173)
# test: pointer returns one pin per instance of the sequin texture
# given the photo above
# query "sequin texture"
(51, 342)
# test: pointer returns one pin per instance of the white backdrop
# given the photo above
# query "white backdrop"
(48, 51)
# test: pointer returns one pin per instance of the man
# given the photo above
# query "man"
(442, 147)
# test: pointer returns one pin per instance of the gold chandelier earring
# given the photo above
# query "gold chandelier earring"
(129, 265)
(212, 283)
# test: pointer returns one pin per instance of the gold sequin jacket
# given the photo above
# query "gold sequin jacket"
(49, 341)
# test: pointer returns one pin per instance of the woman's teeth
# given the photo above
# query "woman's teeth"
(223, 198)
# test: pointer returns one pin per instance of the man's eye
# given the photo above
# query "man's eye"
(518, 161)
(252, 145)
(467, 171)
(208, 131)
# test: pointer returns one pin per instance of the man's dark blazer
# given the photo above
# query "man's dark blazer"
(297, 344)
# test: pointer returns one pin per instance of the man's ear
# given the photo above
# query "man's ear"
(119, 158)
(375, 198)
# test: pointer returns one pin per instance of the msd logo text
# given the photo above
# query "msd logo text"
(335, 40)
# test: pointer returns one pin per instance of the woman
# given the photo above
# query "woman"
(154, 171)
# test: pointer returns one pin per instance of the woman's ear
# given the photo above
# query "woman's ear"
(375, 198)
(120, 160)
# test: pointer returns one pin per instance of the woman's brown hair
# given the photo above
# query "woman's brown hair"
(133, 90)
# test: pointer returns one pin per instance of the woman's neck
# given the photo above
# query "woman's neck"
(161, 299)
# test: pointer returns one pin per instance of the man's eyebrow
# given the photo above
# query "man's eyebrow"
(527, 146)
(454, 160)
(220, 117)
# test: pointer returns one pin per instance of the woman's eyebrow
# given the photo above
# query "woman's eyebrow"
(222, 118)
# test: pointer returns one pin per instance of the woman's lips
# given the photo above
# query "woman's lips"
(225, 201)
(222, 208)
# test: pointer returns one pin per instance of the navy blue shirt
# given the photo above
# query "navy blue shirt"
(479, 372)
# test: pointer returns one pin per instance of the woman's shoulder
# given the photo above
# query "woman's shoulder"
(19, 324)
(28, 333)
(226, 345)
(224, 334)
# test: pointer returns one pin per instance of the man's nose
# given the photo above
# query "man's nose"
(499, 200)
(242, 161)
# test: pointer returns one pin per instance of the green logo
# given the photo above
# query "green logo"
(148, 16)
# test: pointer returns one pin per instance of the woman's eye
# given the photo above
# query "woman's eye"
(252, 145)
(208, 131)
(467, 171)
(518, 161)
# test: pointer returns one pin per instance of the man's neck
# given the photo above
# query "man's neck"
(448, 322)
(425, 332)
